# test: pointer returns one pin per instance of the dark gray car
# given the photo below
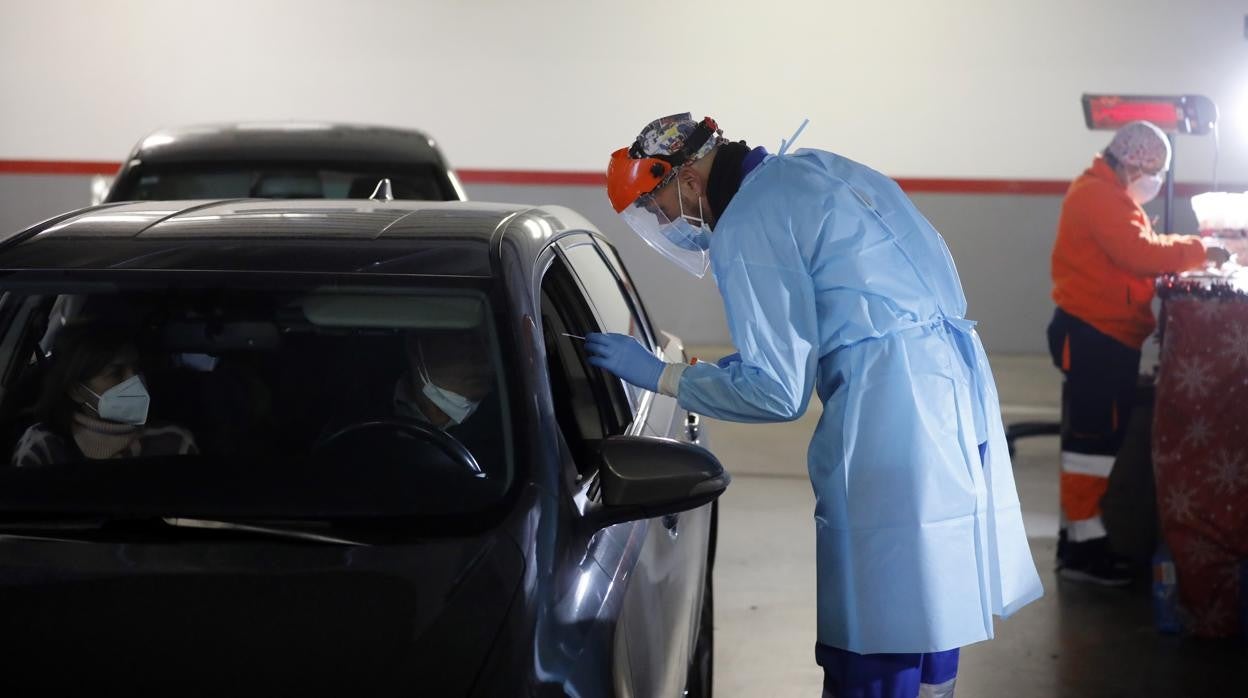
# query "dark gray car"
(330, 533)
(284, 160)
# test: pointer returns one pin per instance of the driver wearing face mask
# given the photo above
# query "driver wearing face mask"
(94, 404)
(1105, 264)
(448, 377)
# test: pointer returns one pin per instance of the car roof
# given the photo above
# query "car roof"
(332, 236)
(287, 141)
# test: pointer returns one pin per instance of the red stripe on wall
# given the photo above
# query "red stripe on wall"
(1033, 187)
(914, 185)
(533, 177)
(58, 167)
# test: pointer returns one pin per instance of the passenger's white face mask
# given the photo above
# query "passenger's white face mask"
(454, 405)
(124, 403)
(1144, 188)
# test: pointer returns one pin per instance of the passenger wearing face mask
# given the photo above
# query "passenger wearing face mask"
(1105, 264)
(94, 404)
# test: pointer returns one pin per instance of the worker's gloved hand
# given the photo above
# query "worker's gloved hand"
(729, 360)
(625, 357)
(1216, 256)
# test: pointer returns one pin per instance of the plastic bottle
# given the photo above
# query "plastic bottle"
(1165, 592)
(1243, 599)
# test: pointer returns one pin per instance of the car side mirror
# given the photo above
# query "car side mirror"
(645, 477)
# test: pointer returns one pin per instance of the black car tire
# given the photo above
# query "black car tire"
(702, 666)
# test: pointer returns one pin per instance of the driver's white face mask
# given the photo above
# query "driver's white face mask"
(454, 405)
(124, 403)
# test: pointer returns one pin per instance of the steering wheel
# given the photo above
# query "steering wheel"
(397, 425)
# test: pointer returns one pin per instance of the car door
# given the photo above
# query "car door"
(698, 526)
(675, 554)
(589, 406)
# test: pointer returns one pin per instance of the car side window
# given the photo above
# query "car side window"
(588, 405)
(610, 299)
(22, 363)
(630, 291)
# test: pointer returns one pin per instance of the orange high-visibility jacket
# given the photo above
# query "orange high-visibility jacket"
(1107, 257)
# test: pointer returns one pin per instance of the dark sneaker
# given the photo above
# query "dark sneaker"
(1092, 562)
(1103, 572)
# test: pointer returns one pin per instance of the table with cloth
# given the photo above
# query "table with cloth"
(1200, 444)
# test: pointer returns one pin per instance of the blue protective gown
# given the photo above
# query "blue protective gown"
(833, 280)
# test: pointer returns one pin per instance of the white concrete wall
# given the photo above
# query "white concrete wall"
(956, 88)
(558, 84)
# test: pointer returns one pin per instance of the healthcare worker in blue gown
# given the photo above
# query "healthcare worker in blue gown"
(834, 282)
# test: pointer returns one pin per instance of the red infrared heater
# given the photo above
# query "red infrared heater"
(1189, 114)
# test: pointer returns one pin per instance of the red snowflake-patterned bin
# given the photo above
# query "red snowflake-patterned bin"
(1200, 445)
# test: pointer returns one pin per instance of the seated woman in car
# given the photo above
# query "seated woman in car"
(94, 404)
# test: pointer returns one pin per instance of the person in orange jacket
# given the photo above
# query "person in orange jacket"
(1105, 264)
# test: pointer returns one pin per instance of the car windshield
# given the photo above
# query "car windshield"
(320, 401)
(289, 180)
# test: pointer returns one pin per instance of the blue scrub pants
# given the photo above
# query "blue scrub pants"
(851, 675)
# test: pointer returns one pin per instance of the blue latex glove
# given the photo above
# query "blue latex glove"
(624, 356)
(729, 360)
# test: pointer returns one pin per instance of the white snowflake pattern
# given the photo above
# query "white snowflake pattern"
(1226, 471)
(1180, 503)
(1164, 458)
(1202, 551)
(1194, 378)
(1212, 619)
(1227, 575)
(1209, 310)
(1198, 434)
(1235, 344)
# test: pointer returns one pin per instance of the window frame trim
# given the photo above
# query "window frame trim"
(625, 281)
(543, 265)
(570, 242)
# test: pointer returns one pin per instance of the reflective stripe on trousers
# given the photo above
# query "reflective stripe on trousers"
(851, 675)
(937, 690)
(926, 690)
(1084, 481)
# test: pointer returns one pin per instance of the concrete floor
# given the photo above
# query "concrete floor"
(1074, 642)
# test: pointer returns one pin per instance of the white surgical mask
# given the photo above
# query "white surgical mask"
(688, 232)
(124, 403)
(452, 404)
(1144, 188)
(686, 235)
(699, 221)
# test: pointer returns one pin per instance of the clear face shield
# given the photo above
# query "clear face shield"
(680, 241)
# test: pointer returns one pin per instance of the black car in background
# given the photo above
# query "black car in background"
(284, 160)
(327, 534)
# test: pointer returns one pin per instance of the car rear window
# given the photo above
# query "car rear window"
(278, 181)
